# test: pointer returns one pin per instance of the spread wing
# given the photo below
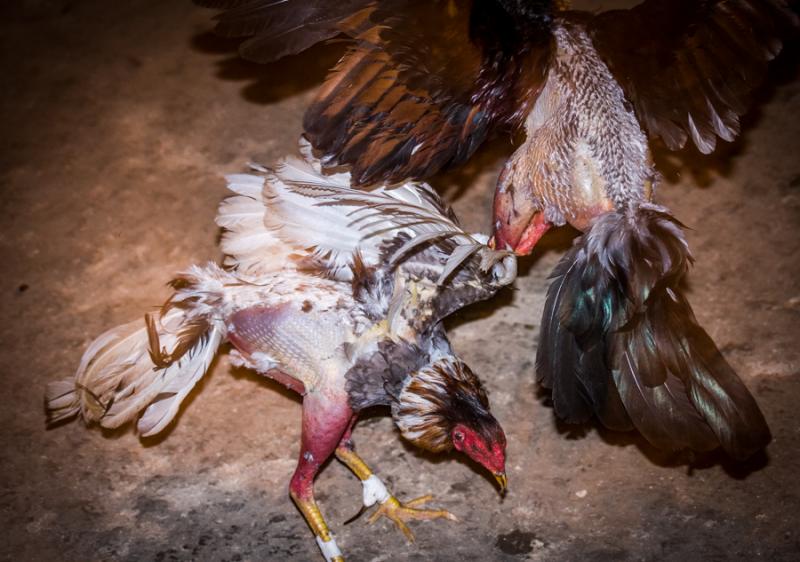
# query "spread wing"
(320, 212)
(422, 88)
(432, 284)
(277, 28)
(298, 216)
(423, 83)
(250, 248)
(690, 66)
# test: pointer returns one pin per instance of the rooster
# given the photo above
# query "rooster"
(424, 83)
(347, 314)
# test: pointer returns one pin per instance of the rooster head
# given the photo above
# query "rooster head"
(487, 448)
(444, 406)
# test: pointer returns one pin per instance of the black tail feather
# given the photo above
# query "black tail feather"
(620, 341)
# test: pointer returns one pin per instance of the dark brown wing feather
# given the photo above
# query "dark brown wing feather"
(689, 66)
(277, 28)
(424, 83)
(422, 87)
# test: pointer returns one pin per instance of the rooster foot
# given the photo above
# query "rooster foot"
(393, 509)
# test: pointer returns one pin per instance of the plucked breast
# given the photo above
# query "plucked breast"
(299, 341)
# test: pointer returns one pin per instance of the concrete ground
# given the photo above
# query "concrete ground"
(119, 119)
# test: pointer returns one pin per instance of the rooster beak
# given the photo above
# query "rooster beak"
(503, 481)
(518, 220)
(520, 237)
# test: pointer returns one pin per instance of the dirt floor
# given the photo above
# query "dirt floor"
(118, 121)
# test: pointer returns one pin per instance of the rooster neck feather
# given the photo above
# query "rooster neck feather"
(436, 398)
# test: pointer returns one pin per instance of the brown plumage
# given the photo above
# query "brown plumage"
(437, 399)
(426, 81)
(422, 85)
(695, 63)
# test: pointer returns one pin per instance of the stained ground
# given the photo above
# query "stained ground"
(119, 120)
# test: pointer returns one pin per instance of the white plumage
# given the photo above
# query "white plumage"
(275, 220)
(337, 294)
(319, 214)
(117, 377)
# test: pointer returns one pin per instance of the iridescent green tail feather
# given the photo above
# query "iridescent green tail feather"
(619, 341)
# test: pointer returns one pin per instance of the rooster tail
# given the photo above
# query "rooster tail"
(148, 365)
(619, 340)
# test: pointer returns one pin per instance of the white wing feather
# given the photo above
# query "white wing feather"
(298, 210)
(251, 249)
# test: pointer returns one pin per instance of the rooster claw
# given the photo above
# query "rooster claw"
(357, 515)
(397, 512)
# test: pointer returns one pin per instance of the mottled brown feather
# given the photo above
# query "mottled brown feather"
(278, 29)
(190, 334)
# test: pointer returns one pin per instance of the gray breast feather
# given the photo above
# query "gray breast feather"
(376, 377)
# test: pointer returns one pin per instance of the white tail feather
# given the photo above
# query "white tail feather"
(187, 371)
(105, 364)
(118, 376)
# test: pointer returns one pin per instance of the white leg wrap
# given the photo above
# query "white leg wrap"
(374, 491)
(329, 549)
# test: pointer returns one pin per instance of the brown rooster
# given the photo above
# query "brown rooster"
(336, 293)
(425, 82)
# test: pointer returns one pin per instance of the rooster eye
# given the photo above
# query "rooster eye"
(458, 436)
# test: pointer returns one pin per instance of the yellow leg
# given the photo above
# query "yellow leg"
(348, 456)
(562, 5)
(374, 491)
(393, 509)
(311, 513)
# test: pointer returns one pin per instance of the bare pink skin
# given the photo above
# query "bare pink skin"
(489, 454)
(325, 423)
(518, 223)
(328, 419)
(346, 441)
(246, 346)
(327, 416)
(523, 245)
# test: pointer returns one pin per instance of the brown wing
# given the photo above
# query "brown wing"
(422, 87)
(689, 66)
(423, 84)
(277, 28)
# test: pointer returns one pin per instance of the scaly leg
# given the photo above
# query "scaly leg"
(325, 419)
(376, 492)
